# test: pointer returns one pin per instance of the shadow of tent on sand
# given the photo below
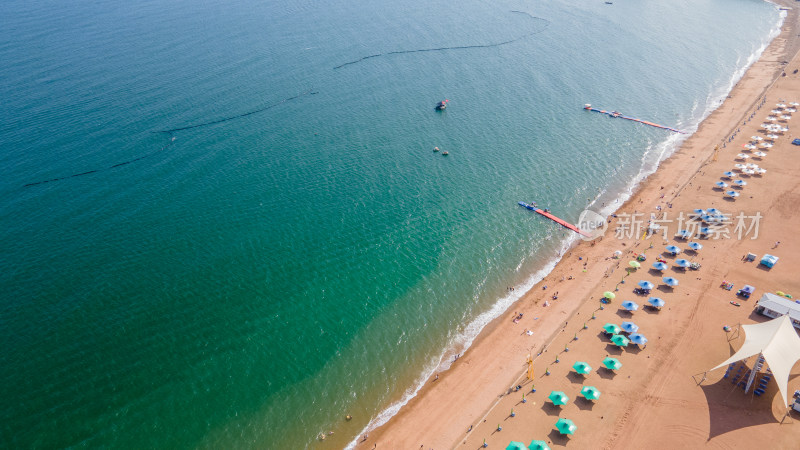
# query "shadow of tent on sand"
(729, 408)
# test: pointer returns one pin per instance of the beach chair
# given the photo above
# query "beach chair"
(758, 392)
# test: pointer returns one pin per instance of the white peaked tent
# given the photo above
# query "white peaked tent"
(778, 342)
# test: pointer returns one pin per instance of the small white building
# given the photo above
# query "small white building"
(775, 306)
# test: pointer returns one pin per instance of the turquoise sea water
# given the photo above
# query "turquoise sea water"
(256, 280)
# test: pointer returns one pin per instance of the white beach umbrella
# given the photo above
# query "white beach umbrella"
(751, 166)
(742, 156)
(773, 136)
(748, 172)
(786, 117)
(757, 138)
(765, 125)
(760, 154)
(781, 105)
(784, 129)
(776, 111)
(766, 145)
(740, 166)
(750, 146)
(761, 171)
(794, 103)
(772, 118)
(790, 110)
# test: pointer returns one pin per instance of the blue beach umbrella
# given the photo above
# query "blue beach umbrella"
(708, 218)
(705, 230)
(674, 249)
(538, 445)
(713, 211)
(682, 263)
(638, 339)
(630, 306)
(669, 281)
(740, 183)
(728, 174)
(732, 194)
(699, 212)
(646, 285)
(695, 246)
(660, 266)
(630, 327)
(721, 184)
(656, 302)
(684, 234)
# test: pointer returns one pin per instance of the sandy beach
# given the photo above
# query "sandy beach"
(656, 399)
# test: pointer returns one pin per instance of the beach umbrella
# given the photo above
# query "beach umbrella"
(695, 246)
(674, 249)
(646, 285)
(638, 339)
(772, 118)
(781, 105)
(749, 172)
(582, 368)
(684, 234)
(785, 117)
(705, 230)
(630, 327)
(590, 393)
(707, 218)
(538, 445)
(760, 154)
(612, 328)
(713, 211)
(756, 138)
(721, 184)
(669, 281)
(794, 103)
(740, 166)
(656, 302)
(699, 212)
(766, 145)
(612, 363)
(791, 110)
(630, 306)
(566, 426)
(732, 194)
(772, 136)
(784, 129)
(609, 295)
(620, 340)
(514, 445)
(660, 266)
(634, 264)
(558, 398)
(775, 111)
(740, 183)
(752, 166)
(750, 146)
(729, 174)
(760, 171)
(742, 156)
(682, 263)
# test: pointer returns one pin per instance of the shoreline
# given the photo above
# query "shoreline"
(500, 353)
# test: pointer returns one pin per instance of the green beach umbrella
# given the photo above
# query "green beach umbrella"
(590, 393)
(609, 295)
(558, 398)
(538, 445)
(620, 340)
(612, 363)
(514, 445)
(566, 426)
(634, 264)
(582, 368)
(612, 328)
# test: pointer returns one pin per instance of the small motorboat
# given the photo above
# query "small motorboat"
(435, 149)
(445, 153)
(441, 105)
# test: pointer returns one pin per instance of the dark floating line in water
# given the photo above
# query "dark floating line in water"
(189, 127)
(238, 116)
(104, 169)
(461, 47)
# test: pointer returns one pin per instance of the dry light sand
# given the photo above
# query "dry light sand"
(655, 400)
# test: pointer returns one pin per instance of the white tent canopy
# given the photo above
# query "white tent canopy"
(778, 342)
